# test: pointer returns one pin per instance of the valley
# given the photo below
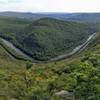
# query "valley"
(74, 51)
(52, 57)
(33, 38)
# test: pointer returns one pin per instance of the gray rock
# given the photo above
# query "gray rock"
(65, 95)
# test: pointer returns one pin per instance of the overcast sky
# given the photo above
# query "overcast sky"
(50, 5)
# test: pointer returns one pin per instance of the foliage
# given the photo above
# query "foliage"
(22, 80)
(44, 38)
(80, 76)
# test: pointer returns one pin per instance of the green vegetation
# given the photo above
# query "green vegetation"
(79, 74)
(60, 35)
(10, 26)
(46, 38)
(12, 52)
(23, 80)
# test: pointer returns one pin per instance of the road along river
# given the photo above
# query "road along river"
(75, 50)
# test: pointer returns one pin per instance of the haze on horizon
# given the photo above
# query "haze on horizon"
(50, 5)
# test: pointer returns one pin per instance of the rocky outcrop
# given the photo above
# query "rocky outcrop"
(65, 95)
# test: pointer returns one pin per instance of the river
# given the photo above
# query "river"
(75, 50)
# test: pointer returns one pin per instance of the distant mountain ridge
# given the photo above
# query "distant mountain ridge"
(82, 17)
(35, 16)
(86, 17)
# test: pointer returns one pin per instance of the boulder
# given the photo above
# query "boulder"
(65, 95)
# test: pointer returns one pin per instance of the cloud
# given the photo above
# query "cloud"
(8, 1)
(50, 5)
(3, 1)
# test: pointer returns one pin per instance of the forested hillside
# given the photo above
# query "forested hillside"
(45, 38)
(75, 78)
(10, 26)
(78, 76)
(47, 35)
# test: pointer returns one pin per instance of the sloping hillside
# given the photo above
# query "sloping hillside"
(9, 26)
(79, 76)
(45, 38)
(48, 37)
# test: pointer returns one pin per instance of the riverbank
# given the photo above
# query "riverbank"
(18, 54)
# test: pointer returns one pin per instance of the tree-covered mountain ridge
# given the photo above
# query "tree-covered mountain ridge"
(47, 37)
